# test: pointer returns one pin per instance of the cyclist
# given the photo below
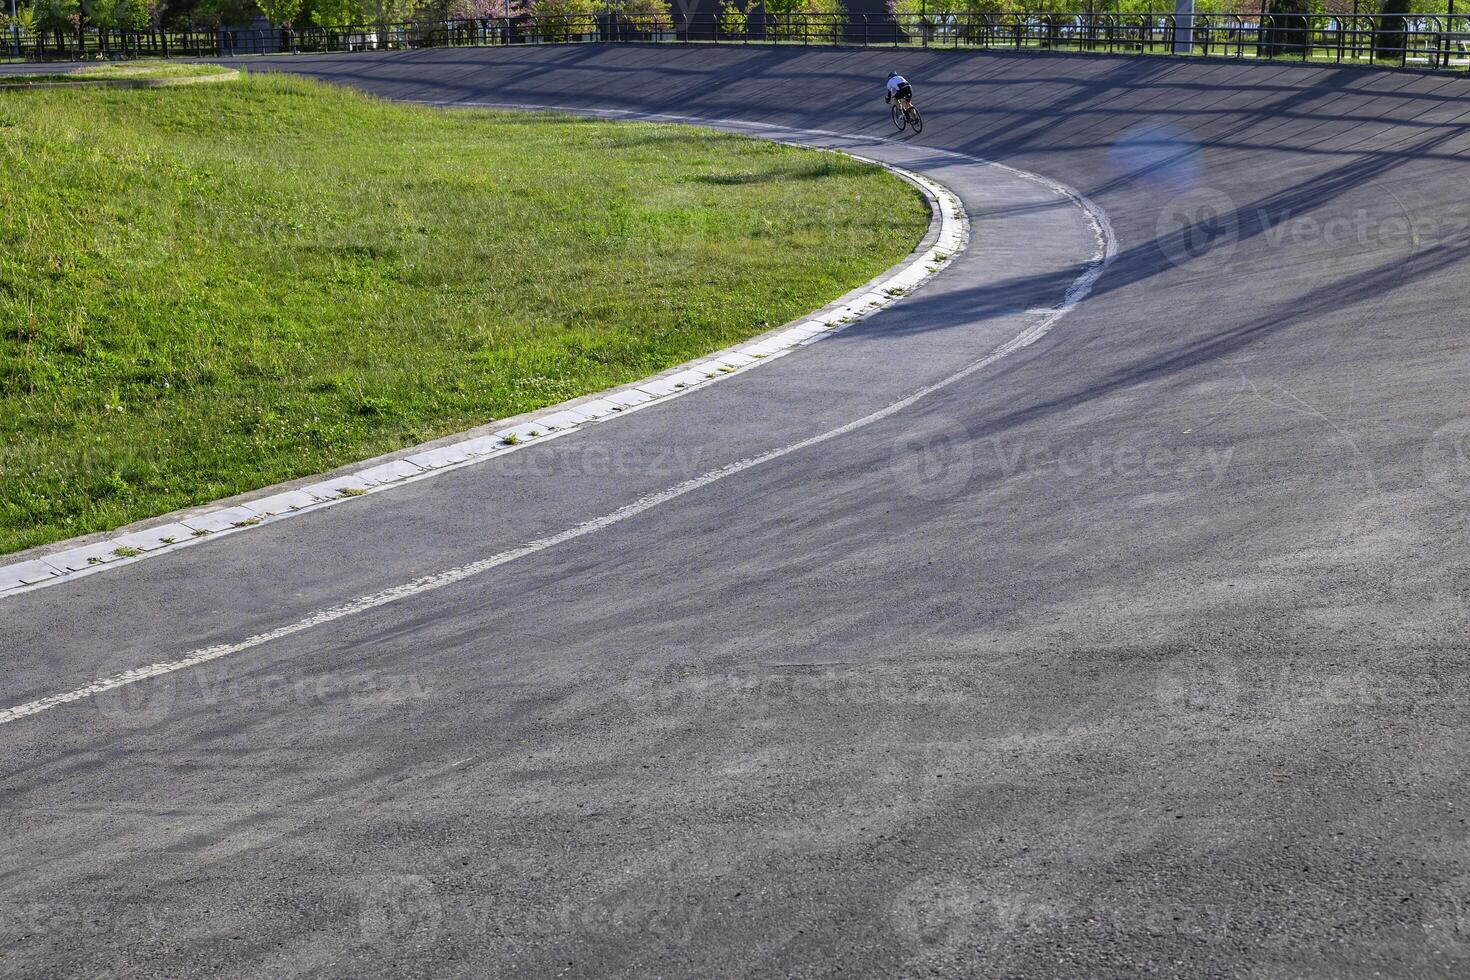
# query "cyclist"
(899, 88)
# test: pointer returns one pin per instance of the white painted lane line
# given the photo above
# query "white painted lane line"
(1080, 287)
(549, 423)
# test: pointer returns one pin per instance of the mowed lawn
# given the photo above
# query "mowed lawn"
(135, 71)
(209, 289)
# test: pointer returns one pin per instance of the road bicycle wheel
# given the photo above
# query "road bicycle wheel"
(898, 117)
(917, 121)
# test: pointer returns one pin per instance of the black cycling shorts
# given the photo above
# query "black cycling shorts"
(904, 92)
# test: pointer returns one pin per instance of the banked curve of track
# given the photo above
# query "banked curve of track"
(1076, 291)
(52, 565)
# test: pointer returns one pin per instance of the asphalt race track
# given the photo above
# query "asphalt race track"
(1141, 652)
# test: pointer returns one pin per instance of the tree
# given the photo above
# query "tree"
(280, 13)
(55, 15)
(732, 18)
(559, 20)
(1388, 34)
(827, 19)
(25, 20)
(644, 16)
(218, 13)
(390, 11)
(816, 19)
(486, 9)
(781, 15)
(336, 14)
(1289, 30)
(381, 13)
(969, 19)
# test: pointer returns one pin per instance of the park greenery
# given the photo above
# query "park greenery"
(34, 16)
(1322, 8)
(209, 289)
(778, 17)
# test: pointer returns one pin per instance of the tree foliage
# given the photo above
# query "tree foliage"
(57, 15)
(646, 15)
(485, 9)
(733, 15)
(25, 19)
(281, 13)
(816, 19)
(564, 18)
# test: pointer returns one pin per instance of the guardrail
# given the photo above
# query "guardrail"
(1427, 41)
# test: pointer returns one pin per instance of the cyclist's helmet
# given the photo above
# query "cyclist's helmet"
(893, 74)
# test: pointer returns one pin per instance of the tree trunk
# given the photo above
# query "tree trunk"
(1290, 27)
(1389, 36)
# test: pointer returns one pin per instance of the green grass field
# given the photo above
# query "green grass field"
(209, 289)
(136, 71)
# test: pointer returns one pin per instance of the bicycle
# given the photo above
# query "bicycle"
(907, 116)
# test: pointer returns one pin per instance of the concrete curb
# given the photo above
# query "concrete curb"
(48, 565)
(228, 75)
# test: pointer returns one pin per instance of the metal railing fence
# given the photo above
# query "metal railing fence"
(1435, 42)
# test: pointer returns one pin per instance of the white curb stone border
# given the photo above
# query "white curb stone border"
(948, 235)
